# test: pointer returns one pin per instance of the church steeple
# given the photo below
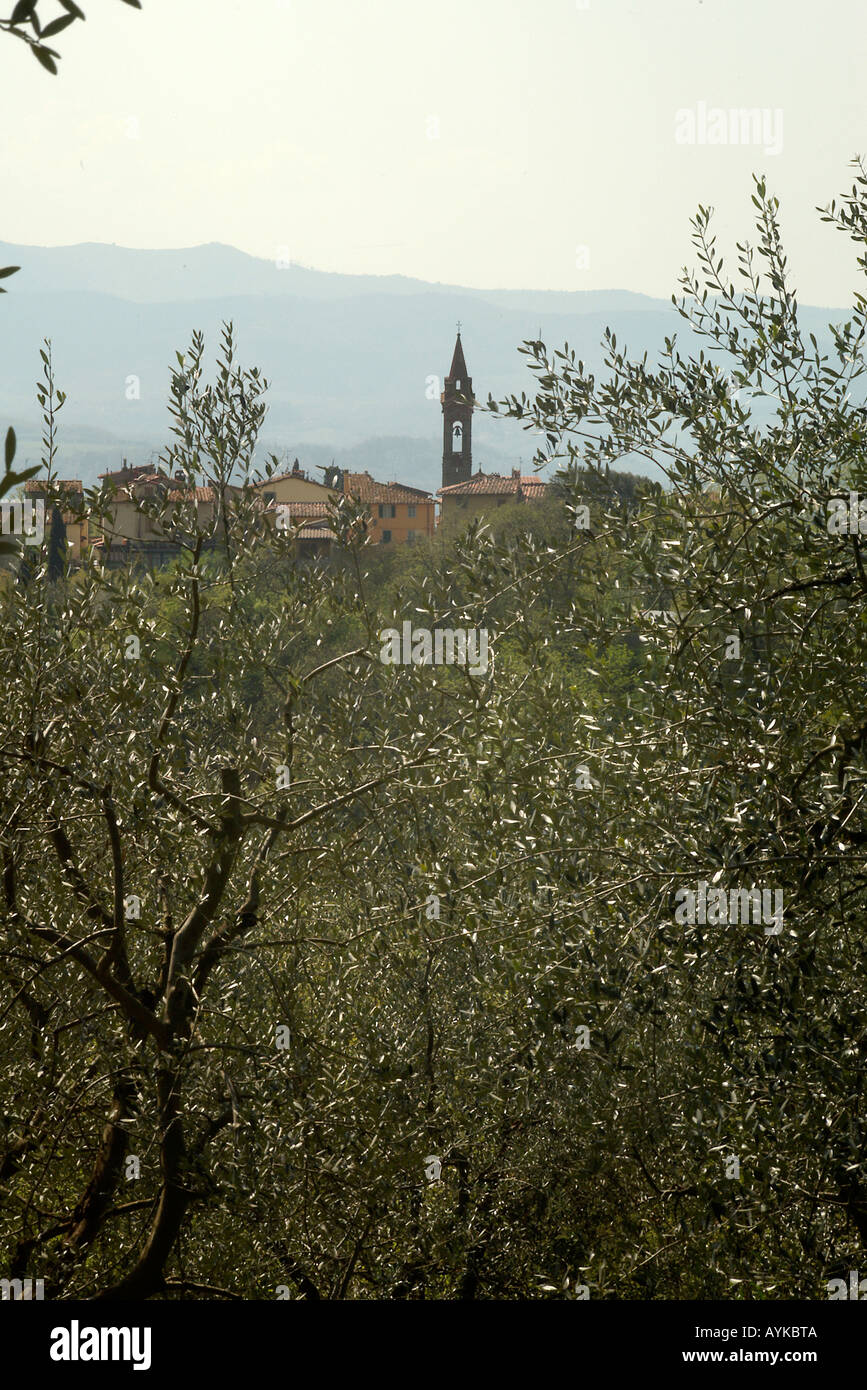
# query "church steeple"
(457, 402)
(459, 366)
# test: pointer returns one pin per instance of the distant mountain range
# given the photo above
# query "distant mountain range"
(350, 357)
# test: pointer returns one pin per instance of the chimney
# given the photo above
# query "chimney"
(516, 472)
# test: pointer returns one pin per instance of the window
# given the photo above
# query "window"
(410, 535)
(386, 537)
(458, 384)
(410, 511)
(457, 438)
(387, 509)
(270, 496)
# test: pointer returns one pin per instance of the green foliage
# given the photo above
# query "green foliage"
(27, 22)
(396, 913)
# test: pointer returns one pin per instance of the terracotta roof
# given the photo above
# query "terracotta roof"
(312, 517)
(300, 508)
(67, 484)
(315, 531)
(367, 489)
(531, 487)
(203, 494)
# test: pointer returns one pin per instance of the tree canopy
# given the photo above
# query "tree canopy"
(329, 978)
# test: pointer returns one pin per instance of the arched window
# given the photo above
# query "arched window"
(457, 438)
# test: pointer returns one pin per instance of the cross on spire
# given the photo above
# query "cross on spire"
(459, 325)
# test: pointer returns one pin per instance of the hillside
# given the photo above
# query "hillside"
(351, 358)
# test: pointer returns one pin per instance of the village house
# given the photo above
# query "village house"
(130, 533)
(76, 523)
(307, 522)
(294, 486)
(399, 514)
(460, 503)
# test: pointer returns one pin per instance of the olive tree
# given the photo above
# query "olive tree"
(232, 939)
(737, 769)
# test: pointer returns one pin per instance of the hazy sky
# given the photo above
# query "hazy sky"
(508, 143)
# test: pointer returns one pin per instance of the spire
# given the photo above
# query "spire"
(459, 367)
(457, 403)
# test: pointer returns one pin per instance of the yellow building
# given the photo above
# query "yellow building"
(294, 486)
(399, 514)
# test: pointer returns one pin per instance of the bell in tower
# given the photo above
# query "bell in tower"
(457, 402)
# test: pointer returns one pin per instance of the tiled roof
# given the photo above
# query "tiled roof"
(315, 531)
(67, 484)
(531, 487)
(312, 517)
(203, 494)
(300, 508)
(367, 489)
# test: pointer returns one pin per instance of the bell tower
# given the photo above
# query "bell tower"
(457, 402)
